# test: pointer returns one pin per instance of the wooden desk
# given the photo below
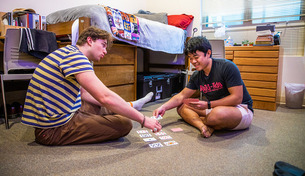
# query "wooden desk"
(2, 43)
(258, 67)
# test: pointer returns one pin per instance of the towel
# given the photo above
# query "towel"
(38, 43)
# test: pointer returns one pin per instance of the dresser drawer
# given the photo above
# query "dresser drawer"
(260, 84)
(262, 98)
(256, 61)
(259, 76)
(119, 55)
(261, 92)
(115, 75)
(257, 69)
(256, 54)
(229, 55)
(127, 92)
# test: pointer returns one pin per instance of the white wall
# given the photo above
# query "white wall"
(45, 7)
(172, 7)
(175, 7)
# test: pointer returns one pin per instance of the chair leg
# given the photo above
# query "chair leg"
(4, 103)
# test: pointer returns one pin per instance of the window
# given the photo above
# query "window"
(248, 12)
(241, 16)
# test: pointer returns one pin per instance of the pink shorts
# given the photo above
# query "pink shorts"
(246, 119)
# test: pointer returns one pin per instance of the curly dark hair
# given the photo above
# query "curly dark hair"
(197, 43)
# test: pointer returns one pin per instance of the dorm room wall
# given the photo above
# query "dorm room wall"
(172, 7)
(191, 7)
(47, 7)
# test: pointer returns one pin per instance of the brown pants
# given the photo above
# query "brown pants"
(90, 124)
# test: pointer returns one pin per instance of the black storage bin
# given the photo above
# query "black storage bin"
(163, 85)
(177, 82)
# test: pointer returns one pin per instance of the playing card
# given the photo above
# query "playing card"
(142, 131)
(145, 135)
(157, 118)
(176, 129)
(155, 145)
(160, 133)
(169, 143)
(149, 139)
(165, 137)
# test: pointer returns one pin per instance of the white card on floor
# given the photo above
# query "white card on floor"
(169, 143)
(165, 137)
(149, 139)
(142, 131)
(145, 135)
(161, 133)
(155, 145)
(159, 117)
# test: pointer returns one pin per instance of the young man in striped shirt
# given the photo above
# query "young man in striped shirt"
(68, 104)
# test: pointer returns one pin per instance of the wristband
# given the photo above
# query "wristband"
(209, 104)
(142, 125)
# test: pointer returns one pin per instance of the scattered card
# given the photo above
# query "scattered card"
(145, 135)
(142, 131)
(176, 129)
(157, 118)
(155, 145)
(170, 143)
(165, 137)
(149, 139)
(160, 133)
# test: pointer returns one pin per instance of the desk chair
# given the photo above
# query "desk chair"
(16, 65)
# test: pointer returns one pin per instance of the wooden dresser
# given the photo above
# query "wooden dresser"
(118, 70)
(258, 67)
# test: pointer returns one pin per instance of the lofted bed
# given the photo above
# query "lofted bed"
(118, 69)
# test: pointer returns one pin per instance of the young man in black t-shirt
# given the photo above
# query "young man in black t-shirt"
(228, 104)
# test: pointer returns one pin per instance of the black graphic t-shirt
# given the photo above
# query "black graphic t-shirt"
(224, 74)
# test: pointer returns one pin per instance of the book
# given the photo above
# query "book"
(43, 23)
(264, 38)
(30, 18)
(24, 20)
(35, 21)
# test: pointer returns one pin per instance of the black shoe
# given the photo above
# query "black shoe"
(284, 169)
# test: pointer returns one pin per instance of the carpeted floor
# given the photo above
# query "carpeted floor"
(273, 136)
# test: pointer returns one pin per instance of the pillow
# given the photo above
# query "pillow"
(181, 21)
(160, 17)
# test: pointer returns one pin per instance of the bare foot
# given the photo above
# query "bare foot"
(206, 131)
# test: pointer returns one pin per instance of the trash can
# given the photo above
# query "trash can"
(294, 95)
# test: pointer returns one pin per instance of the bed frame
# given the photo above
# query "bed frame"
(117, 70)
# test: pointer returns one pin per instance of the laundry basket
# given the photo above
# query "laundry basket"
(294, 94)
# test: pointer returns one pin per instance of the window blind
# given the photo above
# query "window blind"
(239, 12)
(231, 13)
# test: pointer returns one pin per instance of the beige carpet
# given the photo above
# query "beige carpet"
(273, 136)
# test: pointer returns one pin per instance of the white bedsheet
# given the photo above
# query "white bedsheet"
(154, 35)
